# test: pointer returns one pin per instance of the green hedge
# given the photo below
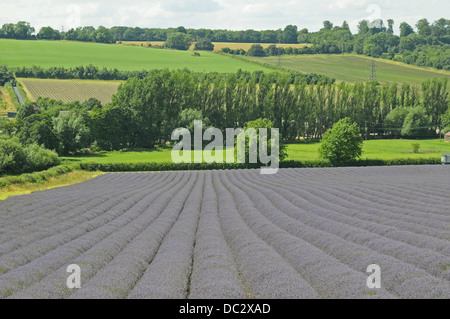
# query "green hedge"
(146, 167)
(37, 176)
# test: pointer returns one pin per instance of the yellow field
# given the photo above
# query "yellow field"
(6, 103)
(70, 90)
(219, 45)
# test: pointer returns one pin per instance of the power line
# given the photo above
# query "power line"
(373, 72)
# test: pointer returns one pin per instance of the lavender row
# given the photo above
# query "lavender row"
(279, 212)
(327, 275)
(360, 217)
(121, 274)
(26, 254)
(215, 274)
(63, 222)
(168, 275)
(129, 226)
(265, 273)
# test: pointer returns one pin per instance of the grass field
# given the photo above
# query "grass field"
(70, 90)
(354, 68)
(6, 102)
(218, 45)
(374, 149)
(16, 53)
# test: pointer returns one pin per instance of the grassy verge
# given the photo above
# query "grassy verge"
(37, 177)
(67, 179)
(6, 102)
(14, 100)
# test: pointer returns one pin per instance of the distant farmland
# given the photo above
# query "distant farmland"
(16, 53)
(70, 90)
(353, 68)
(219, 45)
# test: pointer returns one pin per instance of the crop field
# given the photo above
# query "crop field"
(219, 45)
(354, 68)
(302, 233)
(70, 90)
(17, 53)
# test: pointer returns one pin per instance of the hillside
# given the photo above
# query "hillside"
(354, 68)
(16, 53)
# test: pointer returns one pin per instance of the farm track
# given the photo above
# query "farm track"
(302, 233)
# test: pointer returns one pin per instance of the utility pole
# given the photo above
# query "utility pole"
(366, 129)
(373, 72)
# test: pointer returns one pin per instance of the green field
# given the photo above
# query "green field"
(70, 90)
(355, 68)
(16, 53)
(374, 149)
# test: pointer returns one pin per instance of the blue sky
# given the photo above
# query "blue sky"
(226, 14)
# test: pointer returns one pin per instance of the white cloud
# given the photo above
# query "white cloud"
(229, 14)
(343, 4)
(191, 5)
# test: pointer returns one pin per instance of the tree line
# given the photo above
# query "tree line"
(23, 30)
(427, 45)
(92, 72)
(144, 112)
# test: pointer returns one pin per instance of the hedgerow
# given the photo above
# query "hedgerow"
(153, 166)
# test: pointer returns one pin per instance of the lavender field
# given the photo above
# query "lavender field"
(302, 233)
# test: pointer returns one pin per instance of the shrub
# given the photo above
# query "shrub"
(417, 122)
(38, 176)
(5, 75)
(16, 159)
(395, 119)
(38, 158)
(72, 133)
(342, 143)
(178, 41)
(25, 111)
(256, 50)
(204, 45)
(12, 157)
(416, 147)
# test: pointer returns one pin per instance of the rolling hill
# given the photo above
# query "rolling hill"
(16, 53)
(354, 68)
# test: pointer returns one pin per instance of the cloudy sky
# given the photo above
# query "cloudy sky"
(215, 14)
